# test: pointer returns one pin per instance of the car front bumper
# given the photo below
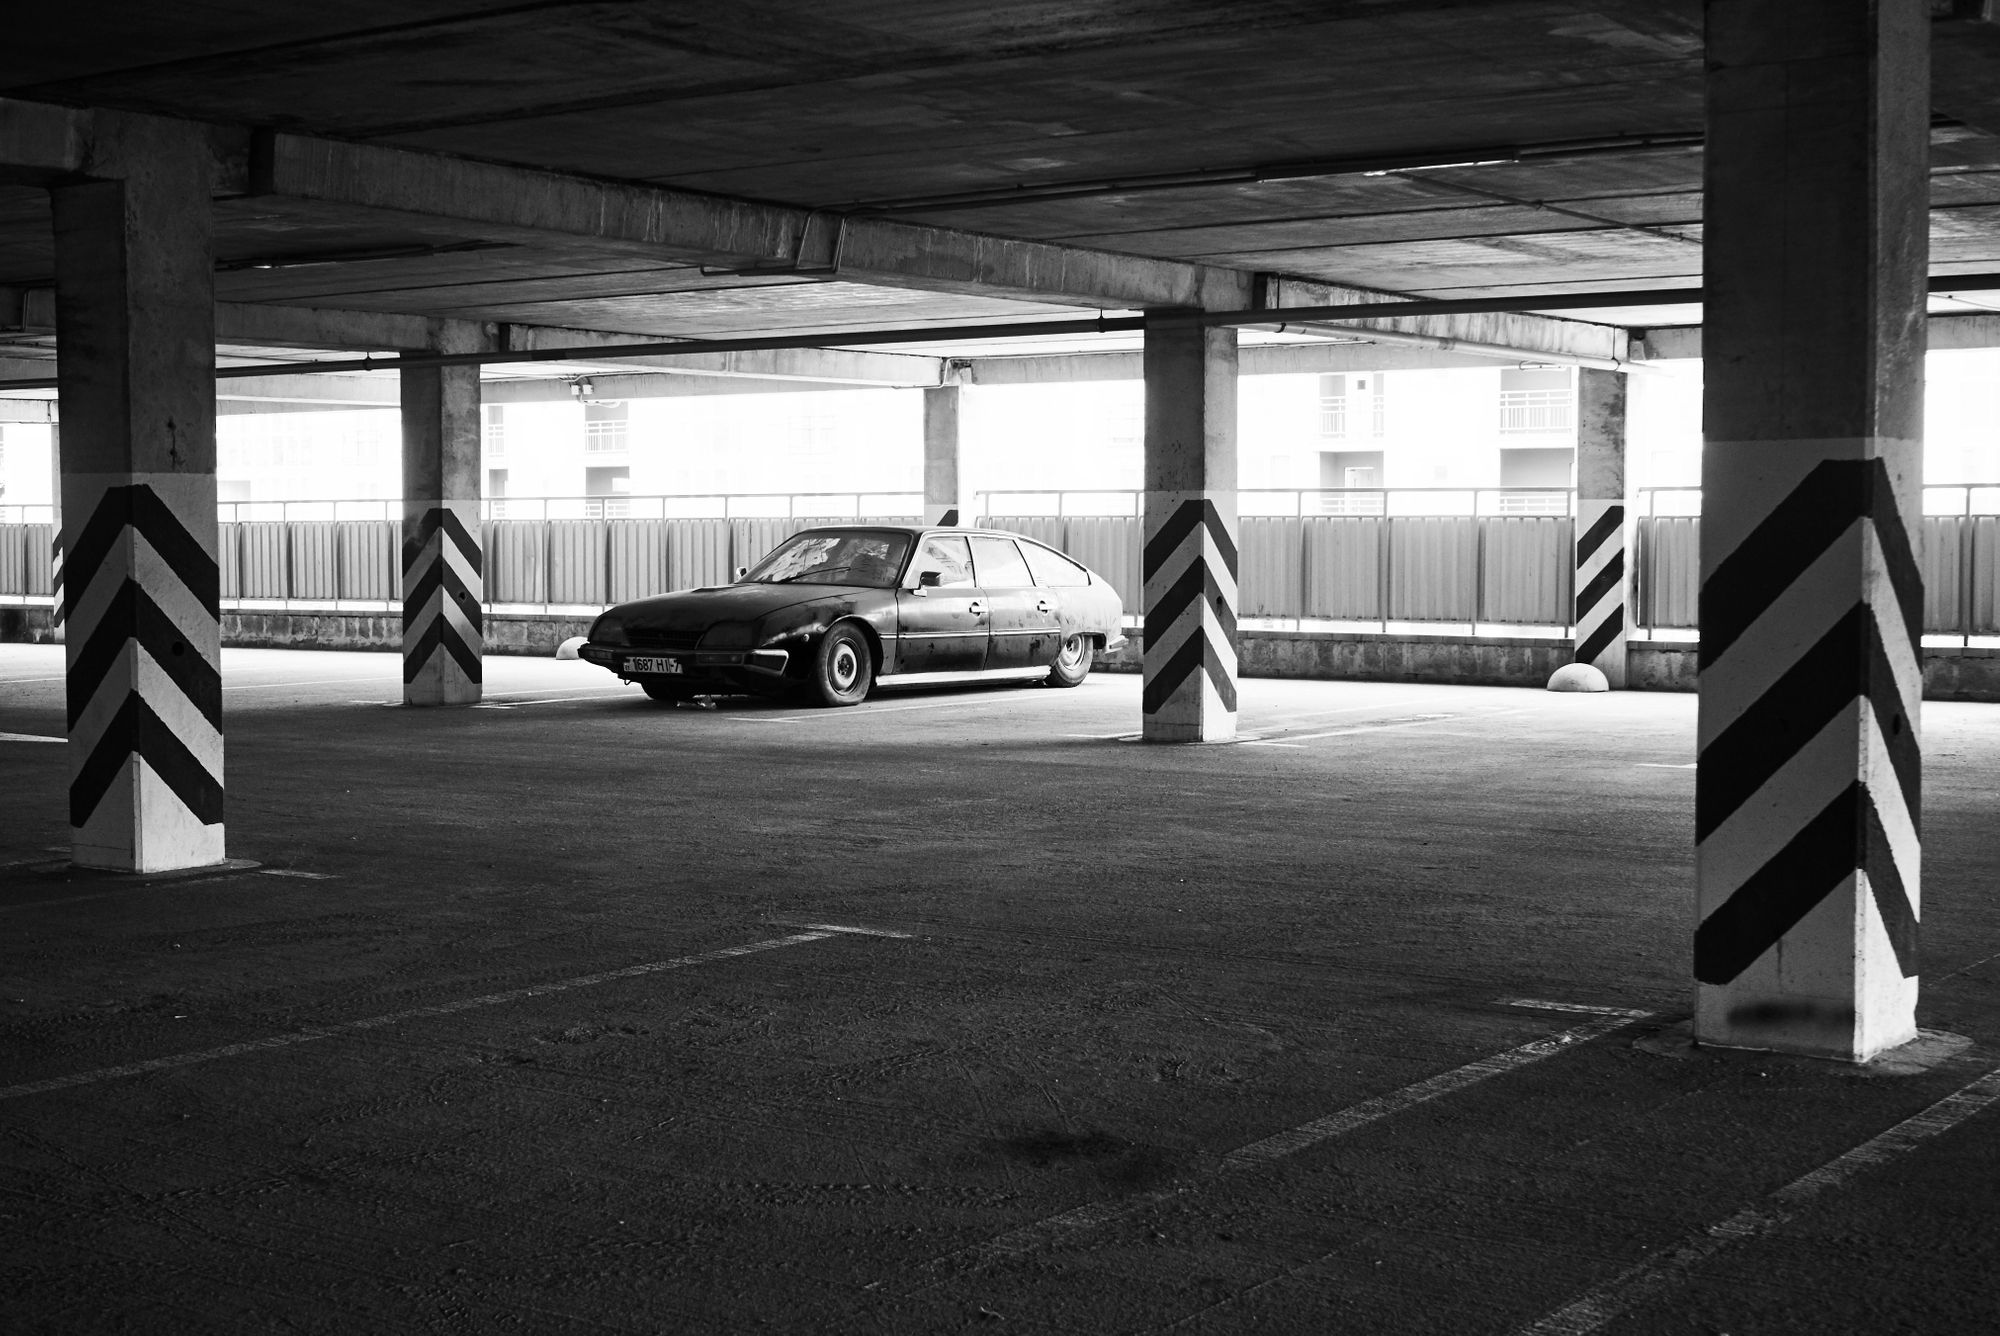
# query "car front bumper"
(693, 664)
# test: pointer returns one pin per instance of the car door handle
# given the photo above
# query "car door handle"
(975, 607)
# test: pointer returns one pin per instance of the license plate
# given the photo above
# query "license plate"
(652, 665)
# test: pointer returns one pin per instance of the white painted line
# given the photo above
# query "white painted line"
(294, 872)
(862, 711)
(1105, 737)
(1379, 728)
(1651, 1278)
(552, 700)
(1538, 1004)
(1662, 765)
(23, 681)
(847, 928)
(1296, 1139)
(397, 1017)
(309, 682)
(1275, 729)
(1258, 1154)
(28, 737)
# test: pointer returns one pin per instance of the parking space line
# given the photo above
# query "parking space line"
(339, 1028)
(1653, 1277)
(1662, 765)
(1425, 722)
(309, 682)
(1261, 1153)
(28, 737)
(864, 711)
(847, 928)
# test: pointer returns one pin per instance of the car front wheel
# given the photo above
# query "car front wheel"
(843, 672)
(1072, 665)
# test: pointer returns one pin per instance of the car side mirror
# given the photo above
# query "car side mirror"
(930, 579)
(742, 571)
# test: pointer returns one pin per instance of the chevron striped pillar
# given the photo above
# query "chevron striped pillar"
(1807, 796)
(140, 587)
(443, 586)
(1603, 582)
(1189, 560)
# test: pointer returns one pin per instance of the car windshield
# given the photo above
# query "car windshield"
(845, 557)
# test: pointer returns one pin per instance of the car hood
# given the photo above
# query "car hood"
(694, 608)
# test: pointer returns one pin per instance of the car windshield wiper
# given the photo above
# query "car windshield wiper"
(816, 570)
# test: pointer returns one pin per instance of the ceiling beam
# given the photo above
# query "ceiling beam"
(522, 204)
(832, 366)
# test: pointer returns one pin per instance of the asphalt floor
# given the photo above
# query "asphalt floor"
(955, 1011)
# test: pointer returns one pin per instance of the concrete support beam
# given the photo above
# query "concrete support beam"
(1494, 332)
(833, 366)
(443, 637)
(1941, 332)
(944, 488)
(1603, 537)
(502, 203)
(141, 584)
(1807, 797)
(283, 394)
(1189, 560)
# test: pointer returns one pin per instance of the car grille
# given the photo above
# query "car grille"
(640, 637)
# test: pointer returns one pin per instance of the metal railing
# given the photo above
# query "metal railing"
(1427, 558)
(1294, 501)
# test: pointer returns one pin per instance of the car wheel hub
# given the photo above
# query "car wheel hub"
(846, 666)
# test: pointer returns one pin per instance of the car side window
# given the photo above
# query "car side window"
(946, 555)
(998, 564)
(1052, 570)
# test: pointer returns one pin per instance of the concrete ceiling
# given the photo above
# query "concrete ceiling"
(1238, 136)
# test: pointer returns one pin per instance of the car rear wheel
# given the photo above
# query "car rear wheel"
(671, 693)
(1073, 663)
(843, 672)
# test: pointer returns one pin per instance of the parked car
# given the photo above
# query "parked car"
(833, 612)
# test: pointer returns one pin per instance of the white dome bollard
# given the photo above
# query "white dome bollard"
(568, 648)
(1578, 677)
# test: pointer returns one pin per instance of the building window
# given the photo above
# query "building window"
(605, 428)
(1378, 424)
(496, 432)
(1536, 400)
(1333, 405)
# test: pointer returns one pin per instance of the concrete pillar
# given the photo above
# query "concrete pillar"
(141, 590)
(1603, 536)
(1807, 799)
(55, 522)
(443, 584)
(1189, 562)
(944, 499)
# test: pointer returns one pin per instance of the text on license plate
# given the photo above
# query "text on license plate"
(648, 665)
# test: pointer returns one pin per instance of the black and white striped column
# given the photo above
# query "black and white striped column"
(443, 583)
(1603, 580)
(443, 632)
(141, 606)
(140, 588)
(1189, 561)
(1807, 806)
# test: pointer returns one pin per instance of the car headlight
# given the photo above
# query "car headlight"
(729, 635)
(608, 630)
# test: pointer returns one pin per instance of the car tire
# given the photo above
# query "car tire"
(844, 670)
(668, 693)
(1072, 663)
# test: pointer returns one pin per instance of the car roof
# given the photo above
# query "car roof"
(922, 530)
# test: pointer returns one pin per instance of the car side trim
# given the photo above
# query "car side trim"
(945, 679)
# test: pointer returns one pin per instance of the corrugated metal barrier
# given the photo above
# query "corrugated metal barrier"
(1500, 570)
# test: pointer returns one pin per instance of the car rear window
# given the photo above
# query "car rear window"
(998, 563)
(1052, 569)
